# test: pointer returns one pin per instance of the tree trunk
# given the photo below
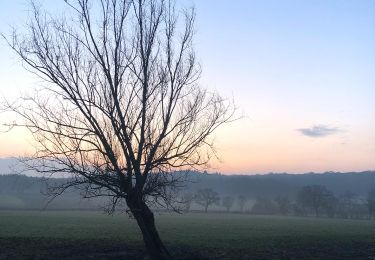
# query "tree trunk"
(146, 222)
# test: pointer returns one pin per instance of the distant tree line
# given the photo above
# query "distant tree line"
(310, 200)
(19, 191)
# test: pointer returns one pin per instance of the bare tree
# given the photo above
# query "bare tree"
(315, 197)
(346, 204)
(264, 206)
(283, 204)
(330, 204)
(228, 202)
(206, 198)
(120, 107)
(186, 200)
(241, 202)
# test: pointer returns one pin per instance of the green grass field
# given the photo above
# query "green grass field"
(93, 235)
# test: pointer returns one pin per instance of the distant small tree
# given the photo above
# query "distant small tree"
(346, 204)
(371, 203)
(241, 202)
(206, 198)
(314, 197)
(330, 204)
(228, 202)
(283, 204)
(298, 210)
(264, 206)
(186, 200)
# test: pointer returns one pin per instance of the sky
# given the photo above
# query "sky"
(300, 72)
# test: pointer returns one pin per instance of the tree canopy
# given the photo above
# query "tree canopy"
(120, 106)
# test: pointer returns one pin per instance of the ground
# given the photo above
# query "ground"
(94, 235)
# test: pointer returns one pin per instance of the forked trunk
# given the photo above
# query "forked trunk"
(146, 222)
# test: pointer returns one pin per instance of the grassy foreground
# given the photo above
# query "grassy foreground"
(93, 235)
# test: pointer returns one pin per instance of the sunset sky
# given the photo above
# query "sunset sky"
(301, 72)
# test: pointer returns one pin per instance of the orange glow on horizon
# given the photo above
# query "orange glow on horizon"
(260, 152)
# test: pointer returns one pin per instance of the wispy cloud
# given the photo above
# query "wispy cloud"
(319, 131)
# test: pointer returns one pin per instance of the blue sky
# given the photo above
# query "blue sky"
(289, 65)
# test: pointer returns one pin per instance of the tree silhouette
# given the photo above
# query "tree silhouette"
(186, 200)
(228, 202)
(206, 198)
(264, 205)
(346, 204)
(241, 202)
(315, 197)
(283, 204)
(120, 107)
